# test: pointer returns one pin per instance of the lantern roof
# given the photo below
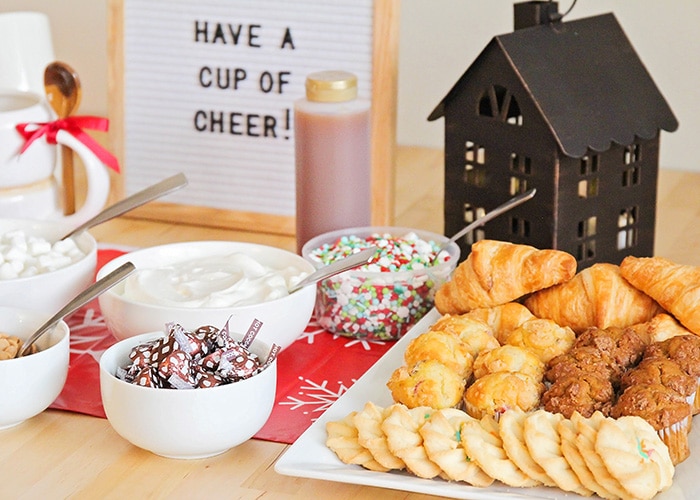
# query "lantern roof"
(586, 79)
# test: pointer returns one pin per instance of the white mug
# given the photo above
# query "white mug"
(29, 188)
(26, 49)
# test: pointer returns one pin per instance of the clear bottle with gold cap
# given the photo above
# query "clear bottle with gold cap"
(332, 156)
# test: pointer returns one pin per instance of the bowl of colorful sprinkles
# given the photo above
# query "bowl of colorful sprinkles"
(383, 299)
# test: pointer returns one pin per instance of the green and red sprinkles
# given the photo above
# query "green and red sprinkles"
(384, 298)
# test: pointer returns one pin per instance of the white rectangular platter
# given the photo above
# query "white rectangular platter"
(309, 457)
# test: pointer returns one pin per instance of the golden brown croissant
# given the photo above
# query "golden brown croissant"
(597, 296)
(675, 286)
(497, 272)
(659, 328)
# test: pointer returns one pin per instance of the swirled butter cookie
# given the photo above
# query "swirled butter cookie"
(342, 440)
(635, 455)
(370, 435)
(482, 442)
(401, 427)
(441, 440)
(510, 428)
(544, 444)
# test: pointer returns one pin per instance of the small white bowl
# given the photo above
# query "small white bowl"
(185, 423)
(28, 385)
(50, 291)
(283, 319)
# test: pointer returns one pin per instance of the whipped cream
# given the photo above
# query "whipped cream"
(214, 281)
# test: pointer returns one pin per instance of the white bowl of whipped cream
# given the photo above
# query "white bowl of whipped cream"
(209, 283)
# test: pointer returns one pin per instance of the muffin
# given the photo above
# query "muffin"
(685, 351)
(664, 409)
(586, 359)
(623, 345)
(585, 393)
(426, 383)
(665, 372)
(495, 393)
(503, 318)
(441, 346)
(544, 337)
(461, 324)
(509, 358)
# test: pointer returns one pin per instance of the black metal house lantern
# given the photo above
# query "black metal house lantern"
(567, 108)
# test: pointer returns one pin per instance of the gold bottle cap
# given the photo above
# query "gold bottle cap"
(331, 86)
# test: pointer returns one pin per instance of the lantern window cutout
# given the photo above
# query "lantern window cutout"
(631, 176)
(519, 227)
(497, 102)
(627, 224)
(521, 168)
(474, 170)
(633, 154)
(471, 214)
(587, 231)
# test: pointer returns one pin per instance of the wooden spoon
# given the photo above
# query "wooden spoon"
(63, 92)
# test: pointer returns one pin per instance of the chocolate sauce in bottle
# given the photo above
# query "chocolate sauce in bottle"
(332, 156)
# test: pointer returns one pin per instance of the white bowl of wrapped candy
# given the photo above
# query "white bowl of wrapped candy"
(198, 282)
(28, 385)
(189, 394)
(37, 270)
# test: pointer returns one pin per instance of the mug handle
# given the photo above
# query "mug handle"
(98, 182)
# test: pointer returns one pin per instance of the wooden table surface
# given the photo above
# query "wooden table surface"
(64, 455)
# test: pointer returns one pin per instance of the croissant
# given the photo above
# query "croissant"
(659, 328)
(597, 296)
(675, 286)
(497, 272)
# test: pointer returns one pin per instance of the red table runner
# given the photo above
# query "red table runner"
(312, 373)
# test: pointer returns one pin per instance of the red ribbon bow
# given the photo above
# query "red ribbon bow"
(74, 125)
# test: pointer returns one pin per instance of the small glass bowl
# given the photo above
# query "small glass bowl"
(377, 305)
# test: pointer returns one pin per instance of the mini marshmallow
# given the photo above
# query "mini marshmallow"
(23, 256)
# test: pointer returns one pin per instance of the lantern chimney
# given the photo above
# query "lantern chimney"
(534, 13)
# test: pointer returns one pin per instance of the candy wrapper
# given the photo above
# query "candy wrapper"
(207, 357)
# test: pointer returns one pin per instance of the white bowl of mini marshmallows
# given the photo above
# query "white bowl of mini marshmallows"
(38, 271)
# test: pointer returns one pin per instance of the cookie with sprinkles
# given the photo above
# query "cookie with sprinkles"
(442, 442)
(368, 422)
(635, 455)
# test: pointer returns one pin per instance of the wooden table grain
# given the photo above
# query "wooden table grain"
(66, 455)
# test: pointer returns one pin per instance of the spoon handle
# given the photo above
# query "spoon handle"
(512, 203)
(135, 200)
(349, 262)
(80, 300)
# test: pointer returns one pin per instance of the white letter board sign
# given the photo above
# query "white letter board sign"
(207, 88)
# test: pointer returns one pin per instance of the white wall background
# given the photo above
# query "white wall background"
(439, 40)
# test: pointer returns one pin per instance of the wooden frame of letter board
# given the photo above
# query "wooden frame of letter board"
(384, 91)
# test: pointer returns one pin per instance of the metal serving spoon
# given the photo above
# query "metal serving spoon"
(80, 300)
(130, 202)
(349, 262)
(63, 91)
(512, 203)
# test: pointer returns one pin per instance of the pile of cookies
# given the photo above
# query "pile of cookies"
(511, 315)
(613, 458)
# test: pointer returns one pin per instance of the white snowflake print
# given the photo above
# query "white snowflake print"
(310, 333)
(87, 334)
(314, 329)
(315, 397)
